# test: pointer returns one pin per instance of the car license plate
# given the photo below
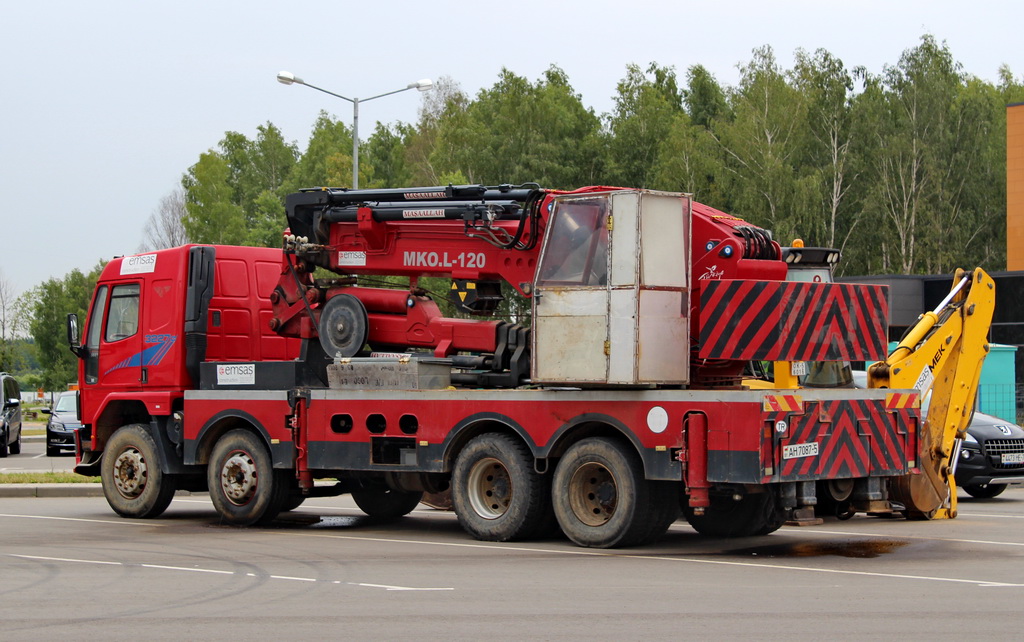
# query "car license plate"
(793, 451)
(1013, 458)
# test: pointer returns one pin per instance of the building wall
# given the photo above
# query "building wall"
(1015, 187)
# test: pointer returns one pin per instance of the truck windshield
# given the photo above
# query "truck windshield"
(577, 249)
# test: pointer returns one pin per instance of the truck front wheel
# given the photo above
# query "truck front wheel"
(243, 486)
(133, 482)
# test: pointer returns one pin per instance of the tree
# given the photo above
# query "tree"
(445, 101)
(52, 301)
(164, 227)
(327, 161)
(690, 159)
(212, 215)
(383, 157)
(761, 145)
(705, 101)
(518, 131)
(911, 120)
(647, 105)
(10, 356)
(827, 87)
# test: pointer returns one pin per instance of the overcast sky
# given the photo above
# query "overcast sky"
(105, 104)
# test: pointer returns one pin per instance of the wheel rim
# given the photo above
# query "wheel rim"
(130, 473)
(239, 478)
(490, 488)
(593, 494)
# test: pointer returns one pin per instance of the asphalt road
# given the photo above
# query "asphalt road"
(33, 458)
(71, 569)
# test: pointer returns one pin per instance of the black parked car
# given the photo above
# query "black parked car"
(63, 422)
(10, 418)
(991, 457)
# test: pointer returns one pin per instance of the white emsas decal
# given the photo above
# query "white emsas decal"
(352, 259)
(141, 264)
(236, 374)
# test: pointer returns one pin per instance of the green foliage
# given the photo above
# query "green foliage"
(213, 216)
(646, 107)
(327, 161)
(903, 170)
(46, 478)
(52, 301)
(383, 159)
(518, 131)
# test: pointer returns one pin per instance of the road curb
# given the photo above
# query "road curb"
(63, 490)
(51, 490)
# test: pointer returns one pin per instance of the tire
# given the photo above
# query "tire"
(984, 491)
(3, 445)
(16, 446)
(754, 514)
(243, 485)
(293, 502)
(383, 503)
(602, 500)
(496, 493)
(133, 482)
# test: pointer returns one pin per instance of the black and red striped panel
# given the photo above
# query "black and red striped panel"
(782, 321)
(844, 439)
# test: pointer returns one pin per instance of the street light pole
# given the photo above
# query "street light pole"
(288, 78)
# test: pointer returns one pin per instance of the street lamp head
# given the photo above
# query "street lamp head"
(287, 78)
(422, 85)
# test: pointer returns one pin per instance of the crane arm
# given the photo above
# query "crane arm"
(943, 353)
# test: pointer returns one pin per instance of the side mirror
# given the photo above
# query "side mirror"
(45, 411)
(73, 337)
(13, 402)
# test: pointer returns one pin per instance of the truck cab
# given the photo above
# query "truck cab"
(155, 317)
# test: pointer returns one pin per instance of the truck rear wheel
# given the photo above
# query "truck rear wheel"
(753, 514)
(242, 481)
(496, 493)
(381, 502)
(133, 482)
(602, 500)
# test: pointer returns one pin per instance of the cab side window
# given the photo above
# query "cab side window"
(123, 317)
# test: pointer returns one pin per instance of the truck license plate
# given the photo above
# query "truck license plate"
(1013, 458)
(794, 451)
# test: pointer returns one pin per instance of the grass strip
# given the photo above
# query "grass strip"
(46, 478)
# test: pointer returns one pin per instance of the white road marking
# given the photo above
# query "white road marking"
(664, 558)
(92, 521)
(195, 569)
(64, 559)
(986, 516)
(185, 568)
(909, 537)
(400, 588)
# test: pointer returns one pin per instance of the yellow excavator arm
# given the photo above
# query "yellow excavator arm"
(942, 353)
